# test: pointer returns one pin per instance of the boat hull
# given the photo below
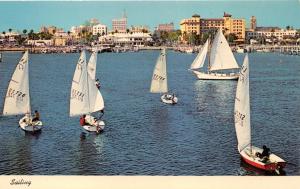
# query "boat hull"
(215, 76)
(29, 126)
(274, 163)
(170, 100)
(93, 125)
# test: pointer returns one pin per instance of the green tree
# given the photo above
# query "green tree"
(9, 30)
(24, 31)
(231, 37)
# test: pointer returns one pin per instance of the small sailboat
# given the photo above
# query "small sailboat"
(85, 98)
(247, 151)
(92, 68)
(17, 99)
(159, 82)
(220, 58)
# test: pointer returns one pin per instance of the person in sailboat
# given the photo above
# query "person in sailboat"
(82, 120)
(36, 116)
(173, 97)
(265, 154)
(97, 82)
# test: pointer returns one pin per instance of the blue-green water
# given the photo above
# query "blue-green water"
(144, 136)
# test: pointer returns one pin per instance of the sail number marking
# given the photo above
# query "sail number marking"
(239, 117)
(157, 77)
(77, 95)
(19, 95)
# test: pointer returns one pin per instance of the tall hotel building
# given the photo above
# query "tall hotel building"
(120, 25)
(199, 25)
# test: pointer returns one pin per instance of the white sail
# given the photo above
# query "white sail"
(85, 97)
(200, 59)
(159, 82)
(17, 99)
(95, 98)
(221, 56)
(79, 99)
(242, 107)
(92, 65)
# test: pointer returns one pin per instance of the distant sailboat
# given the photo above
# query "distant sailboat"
(243, 126)
(221, 58)
(17, 99)
(85, 98)
(159, 82)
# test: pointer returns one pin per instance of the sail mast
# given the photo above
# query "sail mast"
(209, 50)
(88, 88)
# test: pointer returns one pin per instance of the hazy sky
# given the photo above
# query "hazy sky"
(34, 14)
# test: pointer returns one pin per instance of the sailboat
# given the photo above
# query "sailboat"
(247, 151)
(159, 82)
(17, 99)
(220, 58)
(85, 98)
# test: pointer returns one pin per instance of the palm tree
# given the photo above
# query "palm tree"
(9, 30)
(24, 31)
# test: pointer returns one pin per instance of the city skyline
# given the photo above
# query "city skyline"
(34, 14)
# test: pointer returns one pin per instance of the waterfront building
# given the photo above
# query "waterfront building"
(229, 25)
(253, 23)
(166, 27)
(271, 32)
(94, 21)
(137, 29)
(99, 29)
(126, 39)
(40, 42)
(190, 25)
(51, 29)
(61, 38)
(120, 25)
(77, 30)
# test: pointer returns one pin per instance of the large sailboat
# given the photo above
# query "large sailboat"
(85, 98)
(220, 58)
(248, 152)
(159, 83)
(17, 99)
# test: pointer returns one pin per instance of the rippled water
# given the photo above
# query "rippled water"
(144, 136)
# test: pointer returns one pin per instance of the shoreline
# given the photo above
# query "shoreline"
(284, 49)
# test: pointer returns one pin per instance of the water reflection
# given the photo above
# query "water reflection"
(210, 94)
(90, 153)
(160, 117)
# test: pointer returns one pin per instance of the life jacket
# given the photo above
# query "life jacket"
(82, 121)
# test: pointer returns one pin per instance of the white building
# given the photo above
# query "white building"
(278, 33)
(99, 28)
(124, 39)
(40, 43)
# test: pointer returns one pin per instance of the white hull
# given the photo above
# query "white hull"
(215, 76)
(29, 126)
(93, 126)
(169, 99)
(240, 50)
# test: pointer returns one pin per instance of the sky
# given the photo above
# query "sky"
(19, 15)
